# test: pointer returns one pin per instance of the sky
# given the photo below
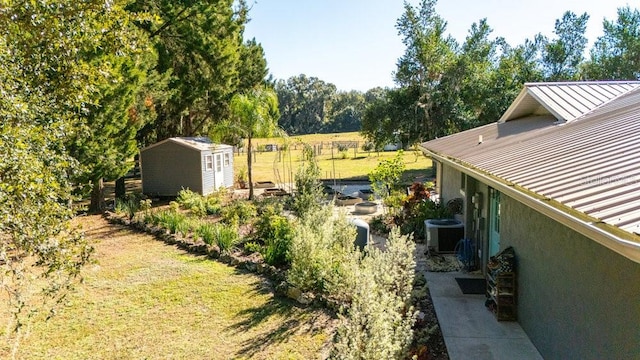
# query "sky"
(354, 43)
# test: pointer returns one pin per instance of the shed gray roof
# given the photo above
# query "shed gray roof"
(199, 143)
(590, 165)
(566, 101)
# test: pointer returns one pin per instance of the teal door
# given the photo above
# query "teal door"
(494, 222)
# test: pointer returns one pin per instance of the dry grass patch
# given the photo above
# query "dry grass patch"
(144, 299)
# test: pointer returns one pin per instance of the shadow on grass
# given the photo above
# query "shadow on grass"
(282, 319)
(106, 231)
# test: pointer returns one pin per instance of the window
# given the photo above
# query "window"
(208, 162)
(218, 163)
(227, 159)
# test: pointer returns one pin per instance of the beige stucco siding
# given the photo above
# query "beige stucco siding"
(577, 299)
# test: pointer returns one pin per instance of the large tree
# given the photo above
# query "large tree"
(199, 45)
(561, 57)
(616, 54)
(48, 85)
(428, 55)
(346, 112)
(305, 104)
(105, 142)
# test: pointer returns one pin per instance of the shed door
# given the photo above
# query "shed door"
(218, 176)
(494, 222)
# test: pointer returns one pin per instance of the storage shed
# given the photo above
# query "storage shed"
(194, 163)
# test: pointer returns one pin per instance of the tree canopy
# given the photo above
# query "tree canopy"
(444, 87)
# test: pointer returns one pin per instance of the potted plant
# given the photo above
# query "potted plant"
(241, 178)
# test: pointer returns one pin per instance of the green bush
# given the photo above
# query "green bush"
(386, 175)
(253, 247)
(217, 234)
(309, 193)
(199, 205)
(174, 221)
(323, 255)
(276, 232)
(238, 212)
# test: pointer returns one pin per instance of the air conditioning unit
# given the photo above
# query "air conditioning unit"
(443, 234)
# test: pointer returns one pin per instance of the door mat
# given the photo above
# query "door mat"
(472, 285)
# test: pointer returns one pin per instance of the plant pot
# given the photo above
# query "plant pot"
(367, 207)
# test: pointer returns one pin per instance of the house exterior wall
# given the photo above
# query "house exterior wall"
(451, 184)
(577, 299)
(169, 167)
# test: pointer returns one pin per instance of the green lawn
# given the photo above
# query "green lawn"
(146, 300)
(282, 166)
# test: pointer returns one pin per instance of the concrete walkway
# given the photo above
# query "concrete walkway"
(469, 329)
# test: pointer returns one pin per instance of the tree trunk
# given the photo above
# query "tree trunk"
(120, 188)
(97, 197)
(249, 167)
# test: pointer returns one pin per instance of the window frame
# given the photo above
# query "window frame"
(208, 162)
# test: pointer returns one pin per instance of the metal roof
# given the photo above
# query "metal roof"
(566, 101)
(590, 165)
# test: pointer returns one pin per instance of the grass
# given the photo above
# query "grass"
(144, 299)
(282, 166)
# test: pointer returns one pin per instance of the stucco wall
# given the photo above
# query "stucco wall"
(450, 187)
(577, 299)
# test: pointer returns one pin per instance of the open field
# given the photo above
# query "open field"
(146, 300)
(353, 164)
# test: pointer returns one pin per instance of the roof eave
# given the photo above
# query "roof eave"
(626, 246)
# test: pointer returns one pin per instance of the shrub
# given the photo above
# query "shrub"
(253, 247)
(276, 232)
(386, 175)
(218, 234)
(368, 146)
(238, 212)
(378, 323)
(309, 191)
(323, 255)
(199, 205)
(174, 221)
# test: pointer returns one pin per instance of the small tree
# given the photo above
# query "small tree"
(308, 186)
(387, 175)
(254, 114)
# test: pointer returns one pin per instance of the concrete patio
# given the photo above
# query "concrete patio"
(469, 329)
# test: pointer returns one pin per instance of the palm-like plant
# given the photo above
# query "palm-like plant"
(253, 114)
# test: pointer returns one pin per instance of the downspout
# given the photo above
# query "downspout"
(627, 248)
